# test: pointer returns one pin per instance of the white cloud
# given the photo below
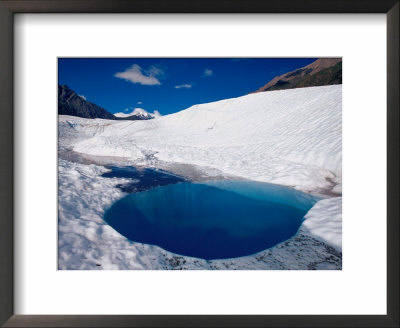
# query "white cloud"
(208, 72)
(82, 96)
(139, 102)
(136, 74)
(154, 71)
(185, 86)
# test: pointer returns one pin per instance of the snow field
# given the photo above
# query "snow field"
(289, 137)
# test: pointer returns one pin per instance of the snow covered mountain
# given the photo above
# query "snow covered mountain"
(70, 103)
(138, 114)
(290, 137)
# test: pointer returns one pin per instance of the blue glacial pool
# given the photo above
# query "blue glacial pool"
(212, 220)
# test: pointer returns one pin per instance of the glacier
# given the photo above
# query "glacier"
(289, 137)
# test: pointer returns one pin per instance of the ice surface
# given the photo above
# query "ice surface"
(324, 220)
(289, 137)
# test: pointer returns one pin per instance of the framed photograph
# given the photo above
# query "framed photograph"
(189, 183)
(187, 161)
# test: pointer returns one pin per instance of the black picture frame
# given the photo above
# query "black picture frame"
(10, 7)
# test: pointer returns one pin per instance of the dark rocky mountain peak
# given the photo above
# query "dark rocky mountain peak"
(70, 103)
(323, 71)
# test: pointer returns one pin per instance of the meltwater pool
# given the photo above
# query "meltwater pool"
(212, 220)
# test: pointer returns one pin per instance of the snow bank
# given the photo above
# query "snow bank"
(290, 137)
(324, 220)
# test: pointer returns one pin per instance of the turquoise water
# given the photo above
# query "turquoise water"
(213, 220)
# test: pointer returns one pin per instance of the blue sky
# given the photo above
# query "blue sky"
(168, 85)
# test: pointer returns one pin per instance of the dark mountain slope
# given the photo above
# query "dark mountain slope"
(324, 71)
(69, 103)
